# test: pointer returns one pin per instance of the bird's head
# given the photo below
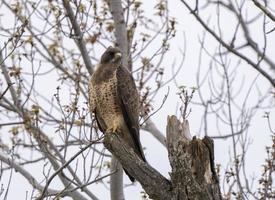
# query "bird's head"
(111, 55)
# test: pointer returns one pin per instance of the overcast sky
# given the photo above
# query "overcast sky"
(155, 153)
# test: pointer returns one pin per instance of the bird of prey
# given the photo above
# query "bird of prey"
(114, 99)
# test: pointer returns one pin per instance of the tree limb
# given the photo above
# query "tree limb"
(78, 36)
(192, 162)
(26, 174)
(120, 29)
(264, 9)
(61, 168)
(156, 186)
(256, 66)
(116, 180)
(151, 127)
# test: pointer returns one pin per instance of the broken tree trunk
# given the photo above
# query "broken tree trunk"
(193, 176)
(192, 160)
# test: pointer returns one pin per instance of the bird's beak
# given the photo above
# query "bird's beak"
(118, 55)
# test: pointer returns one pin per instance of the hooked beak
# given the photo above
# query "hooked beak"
(118, 55)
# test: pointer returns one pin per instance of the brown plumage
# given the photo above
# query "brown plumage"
(115, 101)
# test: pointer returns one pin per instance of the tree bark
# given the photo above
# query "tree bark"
(116, 180)
(120, 29)
(192, 160)
(193, 175)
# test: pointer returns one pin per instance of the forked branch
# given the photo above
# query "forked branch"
(193, 175)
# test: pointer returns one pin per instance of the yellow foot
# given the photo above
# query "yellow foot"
(113, 130)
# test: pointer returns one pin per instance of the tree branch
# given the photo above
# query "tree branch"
(78, 36)
(256, 66)
(116, 180)
(157, 186)
(49, 180)
(192, 162)
(120, 29)
(49, 149)
(151, 127)
(26, 174)
(8, 80)
(264, 9)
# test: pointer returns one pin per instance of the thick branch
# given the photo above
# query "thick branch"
(151, 127)
(120, 29)
(116, 180)
(156, 186)
(192, 160)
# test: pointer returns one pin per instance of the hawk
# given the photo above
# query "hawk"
(114, 100)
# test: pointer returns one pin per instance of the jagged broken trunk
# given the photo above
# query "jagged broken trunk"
(192, 161)
(193, 174)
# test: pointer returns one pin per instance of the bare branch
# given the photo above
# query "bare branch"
(151, 127)
(8, 80)
(78, 36)
(116, 180)
(144, 173)
(26, 174)
(264, 9)
(5, 91)
(192, 162)
(120, 29)
(229, 48)
(60, 170)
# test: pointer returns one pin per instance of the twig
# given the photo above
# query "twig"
(229, 48)
(264, 9)
(163, 101)
(25, 174)
(9, 85)
(60, 169)
(78, 36)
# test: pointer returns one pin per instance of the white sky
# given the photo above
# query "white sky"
(155, 153)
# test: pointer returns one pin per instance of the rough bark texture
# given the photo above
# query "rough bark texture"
(157, 186)
(192, 161)
(192, 173)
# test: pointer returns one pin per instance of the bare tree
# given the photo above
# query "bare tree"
(49, 51)
(229, 102)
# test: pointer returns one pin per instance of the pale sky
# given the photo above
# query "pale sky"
(155, 152)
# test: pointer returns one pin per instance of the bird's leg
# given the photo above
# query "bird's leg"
(114, 129)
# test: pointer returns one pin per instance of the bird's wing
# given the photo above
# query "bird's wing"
(100, 122)
(92, 105)
(92, 95)
(129, 100)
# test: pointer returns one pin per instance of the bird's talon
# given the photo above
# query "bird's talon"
(111, 130)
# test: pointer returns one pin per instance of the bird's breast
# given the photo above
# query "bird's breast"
(107, 102)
